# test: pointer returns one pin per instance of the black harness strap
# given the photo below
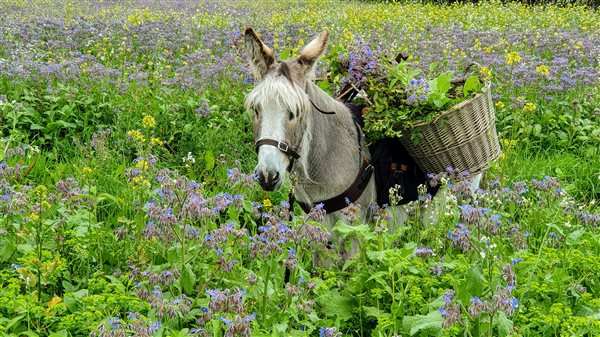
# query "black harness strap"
(319, 110)
(351, 194)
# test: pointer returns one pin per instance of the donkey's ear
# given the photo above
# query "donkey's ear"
(259, 55)
(312, 51)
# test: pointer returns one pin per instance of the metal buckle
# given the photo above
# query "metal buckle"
(283, 146)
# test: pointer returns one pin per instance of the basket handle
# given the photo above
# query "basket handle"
(463, 78)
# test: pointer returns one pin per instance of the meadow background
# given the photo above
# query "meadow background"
(127, 208)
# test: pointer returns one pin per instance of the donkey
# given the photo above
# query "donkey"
(299, 129)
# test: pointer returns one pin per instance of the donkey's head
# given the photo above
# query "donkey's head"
(280, 105)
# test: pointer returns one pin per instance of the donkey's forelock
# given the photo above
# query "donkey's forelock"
(279, 85)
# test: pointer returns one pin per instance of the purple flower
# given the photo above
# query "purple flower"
(328, 332)
(423, 252)
(226, 321)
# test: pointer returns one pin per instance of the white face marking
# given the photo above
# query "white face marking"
(273, 118)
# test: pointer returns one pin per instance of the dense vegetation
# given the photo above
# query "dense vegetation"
(589, 3)
(126, 207)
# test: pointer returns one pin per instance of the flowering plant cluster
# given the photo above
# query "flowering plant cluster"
(126, 207)
(407, 96)
(398, 95)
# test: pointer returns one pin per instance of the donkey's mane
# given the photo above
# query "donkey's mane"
(278, 85)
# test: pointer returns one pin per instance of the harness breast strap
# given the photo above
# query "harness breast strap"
(351, 194)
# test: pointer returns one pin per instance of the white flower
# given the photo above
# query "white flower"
(190, 158)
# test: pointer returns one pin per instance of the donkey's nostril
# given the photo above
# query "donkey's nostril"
(275, 177)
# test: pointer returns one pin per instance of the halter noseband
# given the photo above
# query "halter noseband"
(282, 146)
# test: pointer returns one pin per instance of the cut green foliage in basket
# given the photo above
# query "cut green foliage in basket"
(408, 97)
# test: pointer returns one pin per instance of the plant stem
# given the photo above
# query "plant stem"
(39, 256)
(265, 289)
(477, 328)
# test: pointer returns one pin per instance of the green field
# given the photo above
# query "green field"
(127, 205)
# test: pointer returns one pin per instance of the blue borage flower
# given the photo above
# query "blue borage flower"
(328, 332)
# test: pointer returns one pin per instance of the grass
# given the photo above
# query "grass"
(104, 230)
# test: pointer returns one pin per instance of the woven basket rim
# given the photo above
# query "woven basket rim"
(484, 91)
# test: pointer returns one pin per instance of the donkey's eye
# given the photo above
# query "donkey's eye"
(291, 116)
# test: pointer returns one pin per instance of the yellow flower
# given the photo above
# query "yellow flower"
(142, 165)
(34, 217)
(41, 191)
(509, 142)
(499, 105)
(542, 70)
(148, 122)
(139, 182)
(86, 170)
(155, 141)
(136, 135)
(54, 301)
(513, 57)
(267, 203)
(485, 72)
(529, 107)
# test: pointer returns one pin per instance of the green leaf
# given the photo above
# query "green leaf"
(347, 230)
(7, 248)
(504, 325)
(375, 312)
(61, 123)
(61, 333)
(378, 255)
(443, 82)
(336, 305)
(108, 196)
(285, 54)
(72, 299)
(324, 84)
(431, 324)
(472, 85)
(472, 285)
(14, 321)
(188, 278)
(209, 160)
(439, 99)
(280, 328)
(432, 66)
(575, 238)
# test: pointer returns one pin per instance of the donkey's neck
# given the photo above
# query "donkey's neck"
(331, 155)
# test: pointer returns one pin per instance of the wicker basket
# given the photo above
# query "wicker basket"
(463, 137)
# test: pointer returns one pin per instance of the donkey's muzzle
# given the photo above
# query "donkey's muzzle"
(268, 180)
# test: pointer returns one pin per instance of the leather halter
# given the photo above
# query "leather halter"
(341, 201)
(282, 146)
